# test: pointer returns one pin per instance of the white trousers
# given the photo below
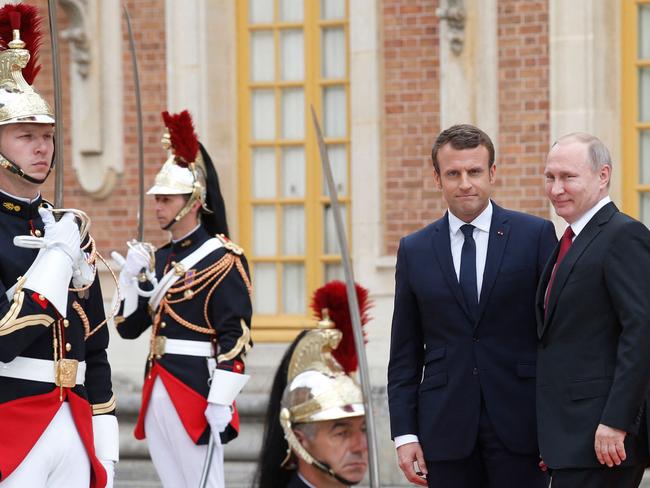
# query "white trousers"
(178, 461)
(57, 460)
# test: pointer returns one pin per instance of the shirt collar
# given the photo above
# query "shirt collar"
(482, 222)
(581, 223)
(305, 481)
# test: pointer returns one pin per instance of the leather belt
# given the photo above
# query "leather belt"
(164, 345)
(65, 372)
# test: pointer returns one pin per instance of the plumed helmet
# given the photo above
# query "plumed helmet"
(20, 40)
(189, 171)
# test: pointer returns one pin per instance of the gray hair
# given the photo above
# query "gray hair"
(597, 153)
(308, 429)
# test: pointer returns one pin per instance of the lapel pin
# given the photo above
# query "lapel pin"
(499, 232)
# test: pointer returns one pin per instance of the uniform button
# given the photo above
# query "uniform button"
(475, 371)
(68, 347)
(66, 323)
(41, 298)
(163, 325)
(475, 339)
(37, 233)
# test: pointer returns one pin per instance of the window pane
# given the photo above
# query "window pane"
(338, 161)
(644, 31)
(644, 157)
(264, 230)
(293, 289)
(293, 113)
(293, 172)
(260, 11)
(293, 231)
(293, 56)
(645, 209)
(264, 172)
(334, 272)
(330, 241)
(334, 112)
(332, 9)
(262, 56)
(291, 10)
(265, 288)
(333, 53)
(263, 114)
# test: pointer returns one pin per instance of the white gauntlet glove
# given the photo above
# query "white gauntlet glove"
(50, 273)
(138, 258)
(218, 416)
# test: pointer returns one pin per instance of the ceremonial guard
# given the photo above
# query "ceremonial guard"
(57, 422)
(198, 310)
(315, 426)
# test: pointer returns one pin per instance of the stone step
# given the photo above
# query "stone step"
(140, 473)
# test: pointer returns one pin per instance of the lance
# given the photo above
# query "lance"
(359, 341)
(138, 104)
(58, 109)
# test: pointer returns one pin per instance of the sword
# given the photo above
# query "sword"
(359, 343)
(138, 104)
(58, 108)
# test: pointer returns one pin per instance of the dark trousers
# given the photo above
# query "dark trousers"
(491, 465)
(629, 477)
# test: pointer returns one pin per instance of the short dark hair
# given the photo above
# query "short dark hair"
(462, 136)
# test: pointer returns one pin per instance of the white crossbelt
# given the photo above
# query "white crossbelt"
(188, 348)
(36, 370)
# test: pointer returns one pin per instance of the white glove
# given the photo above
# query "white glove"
(83, 274)
(107, 440)
(219, 416)
(63, 234)
(137, 257)
(50, 273)
(109, 467)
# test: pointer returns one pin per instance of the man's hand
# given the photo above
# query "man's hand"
(542, 466)
(609, 446)
(411, 462)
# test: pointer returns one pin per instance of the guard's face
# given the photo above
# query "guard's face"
(342, 445)
(167, 207)
(572, 185)
(465, 180)
(30, 146)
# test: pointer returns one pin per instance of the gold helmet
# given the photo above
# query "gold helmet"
(189, 171)
(20, 39)
(319, 382)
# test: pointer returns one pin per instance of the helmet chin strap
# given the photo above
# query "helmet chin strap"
(324, 467)
(12, 167)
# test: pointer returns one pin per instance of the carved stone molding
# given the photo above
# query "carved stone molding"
(95, 84)
(454, 14)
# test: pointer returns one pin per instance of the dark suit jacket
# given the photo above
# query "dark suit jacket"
(441, 362)
(594, 355)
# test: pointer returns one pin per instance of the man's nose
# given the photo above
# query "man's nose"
(465, 183)
(359, 442)
(557, 187)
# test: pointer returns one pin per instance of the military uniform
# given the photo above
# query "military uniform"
(195, 304)
(31, 329)
(209, 305)
(57, 422)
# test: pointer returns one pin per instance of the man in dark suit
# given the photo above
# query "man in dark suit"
(461, 376)
(593, 313)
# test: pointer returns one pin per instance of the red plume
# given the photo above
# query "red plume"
(185, 142)
(333, 296)
(25, 18)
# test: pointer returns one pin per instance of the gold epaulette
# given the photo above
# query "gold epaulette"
(230, 245)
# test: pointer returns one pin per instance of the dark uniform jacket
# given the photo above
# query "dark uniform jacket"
(210, 302)
(594, 355)
(31, 327)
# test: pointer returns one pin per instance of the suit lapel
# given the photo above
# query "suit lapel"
(497, 240)
(442, 251)
(541, 290)
(580, 244)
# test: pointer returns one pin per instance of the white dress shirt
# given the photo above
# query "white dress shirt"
(481, 236)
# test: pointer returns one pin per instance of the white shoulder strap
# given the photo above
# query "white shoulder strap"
(171, 276)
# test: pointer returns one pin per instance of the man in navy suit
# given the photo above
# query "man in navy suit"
(461, 374)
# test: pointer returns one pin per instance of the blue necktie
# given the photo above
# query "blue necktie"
(468, 270)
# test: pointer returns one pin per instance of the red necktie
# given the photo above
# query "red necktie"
(565, 244)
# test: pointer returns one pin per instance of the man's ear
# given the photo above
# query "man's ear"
(302, 438)
(605, 175)
(436, 179)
